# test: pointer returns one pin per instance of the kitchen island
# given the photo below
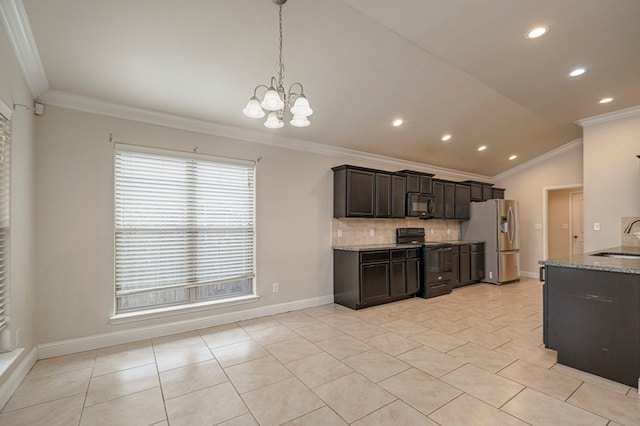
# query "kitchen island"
(592, 312)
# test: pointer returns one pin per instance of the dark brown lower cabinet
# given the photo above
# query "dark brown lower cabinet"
(592, 319)
(372, 277)
(467, 262)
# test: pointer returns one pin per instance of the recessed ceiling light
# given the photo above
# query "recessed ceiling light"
(578, 71)
(537, 32)
(482, 148)
(513, 157)
(605, 100)
(397, 122)
(446, 137)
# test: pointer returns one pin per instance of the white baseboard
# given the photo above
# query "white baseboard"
(97, 341)
(529, 274)
(17, 376)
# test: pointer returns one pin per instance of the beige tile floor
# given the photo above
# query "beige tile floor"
(474, 357)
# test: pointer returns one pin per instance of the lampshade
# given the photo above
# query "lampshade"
(253, 109)
(272, 101)
(273, 122)
(299, 121)
(301, 107)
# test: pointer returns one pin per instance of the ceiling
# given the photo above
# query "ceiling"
(463, 67)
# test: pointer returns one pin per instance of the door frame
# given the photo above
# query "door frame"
(545, 213)
(571, 224)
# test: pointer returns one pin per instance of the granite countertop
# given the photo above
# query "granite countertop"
(366, 247)
(600, 263)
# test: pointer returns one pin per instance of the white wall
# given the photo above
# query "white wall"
(22, 314)
(527, 186)
(612, 179)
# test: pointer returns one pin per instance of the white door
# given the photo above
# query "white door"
(576, 225)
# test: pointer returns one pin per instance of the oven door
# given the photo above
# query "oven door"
(437, 264)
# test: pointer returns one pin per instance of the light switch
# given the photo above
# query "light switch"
(596, 226)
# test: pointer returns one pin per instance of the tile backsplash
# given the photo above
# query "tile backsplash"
(632, 239)
(358, 231)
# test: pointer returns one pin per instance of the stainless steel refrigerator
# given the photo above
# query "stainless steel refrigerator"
(496, 223)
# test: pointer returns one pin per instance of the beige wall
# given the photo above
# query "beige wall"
(612, 179)
(528, 186)
(22, 314)
(558, 237)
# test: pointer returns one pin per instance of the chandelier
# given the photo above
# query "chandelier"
(276, 100)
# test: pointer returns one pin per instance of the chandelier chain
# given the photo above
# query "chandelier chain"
(280, 58)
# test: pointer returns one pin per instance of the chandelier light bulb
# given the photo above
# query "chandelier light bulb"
(253, 109)
(273, 122)
(299, 121)
(272, 101)
(301, 107)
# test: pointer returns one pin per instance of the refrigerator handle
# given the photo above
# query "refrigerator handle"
(512, 230)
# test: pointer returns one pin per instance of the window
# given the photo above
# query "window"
(184, 228)
(5, 175)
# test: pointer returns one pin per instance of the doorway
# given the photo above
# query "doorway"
(562, 220)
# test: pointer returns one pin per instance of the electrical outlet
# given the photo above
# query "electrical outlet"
(448, 231)
(432, 231)
(490, 274)
(339, 233)
(276, 287)
(372, 232)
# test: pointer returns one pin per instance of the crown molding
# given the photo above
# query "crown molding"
(540, 159)
(76, 102)
(610, 116)
(16, 23)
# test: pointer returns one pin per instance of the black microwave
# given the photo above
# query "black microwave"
(420, 205)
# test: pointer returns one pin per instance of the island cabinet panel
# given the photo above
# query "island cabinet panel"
(592, 319)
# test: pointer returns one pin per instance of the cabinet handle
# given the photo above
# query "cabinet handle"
(541, 276)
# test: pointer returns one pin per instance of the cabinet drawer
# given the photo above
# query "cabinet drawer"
(476, 247)
(464, 249)
(374, 256)
(398, 254)
(414, 253)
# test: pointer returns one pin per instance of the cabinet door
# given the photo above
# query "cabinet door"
(476, 265)
(455, 270)
(426, 184)
(497, 193)
(449, 200)
(383, 195)
(438, 200)
(487, 192)
(397, 277)
(465, 269)
(476, 191)
(413, 275)
(462, 201)
(398, 196)
(360, 193)
(413, 183)
(374, 281)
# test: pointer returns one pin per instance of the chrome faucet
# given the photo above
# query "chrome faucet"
(627, 230)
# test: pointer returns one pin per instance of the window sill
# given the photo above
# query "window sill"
(181, 309)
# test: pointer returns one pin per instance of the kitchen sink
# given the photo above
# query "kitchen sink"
(618, 255)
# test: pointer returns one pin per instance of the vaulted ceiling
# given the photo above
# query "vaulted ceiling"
(459, 67)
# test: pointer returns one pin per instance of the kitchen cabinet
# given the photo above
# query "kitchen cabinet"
(591, 318)
(398, 195)
(418, 182)
(467, 261)
(451, 200)
(363, 278)
(480, 191)
(383, 195)
(462, 201)
(497, 193)
(361, 192)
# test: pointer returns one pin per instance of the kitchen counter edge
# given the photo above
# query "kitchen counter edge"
(367, 247)
(600, 263)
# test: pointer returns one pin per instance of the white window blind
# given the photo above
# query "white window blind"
(184, 229)
(5, 185)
